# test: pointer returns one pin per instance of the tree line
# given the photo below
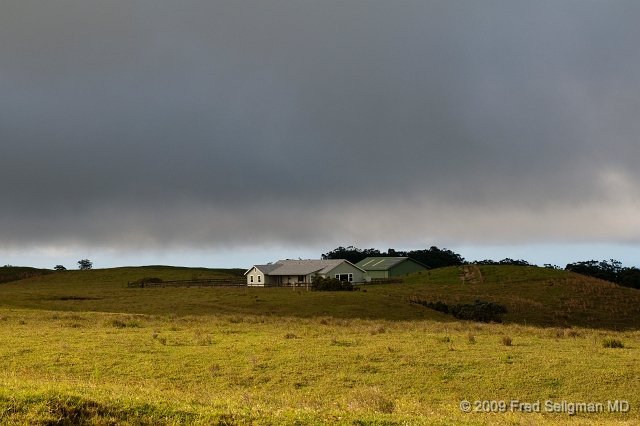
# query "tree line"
(611, 270)
(433, 257)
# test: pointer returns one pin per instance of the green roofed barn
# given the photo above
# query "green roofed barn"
(388, 267)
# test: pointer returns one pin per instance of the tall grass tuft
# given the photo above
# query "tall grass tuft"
(612, 343)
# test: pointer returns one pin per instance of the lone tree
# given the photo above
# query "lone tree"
(60, 268)
(85, 264)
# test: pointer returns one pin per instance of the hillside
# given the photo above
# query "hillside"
(80, 347)
(532, 295)
(105, 290)
(15, 273)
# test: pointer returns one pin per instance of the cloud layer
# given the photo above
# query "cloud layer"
(160, 124)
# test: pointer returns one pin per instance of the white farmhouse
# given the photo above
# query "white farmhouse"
(301, 272)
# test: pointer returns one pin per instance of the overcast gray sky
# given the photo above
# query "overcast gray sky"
(212, 129)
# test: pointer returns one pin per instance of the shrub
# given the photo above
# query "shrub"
(438, 306)
(479, 311)
(116, 323)
(148, 280)
(121, 324)
(330, 284)
(506, 340)
(612, 343)
(377, 330)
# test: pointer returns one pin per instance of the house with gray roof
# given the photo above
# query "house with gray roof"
(388, 267)
(301, 272)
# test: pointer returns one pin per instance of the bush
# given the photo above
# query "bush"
(116, 323)
(146, 280)
(330, 284)
(437, 306)
(612, 343)
(479, 311)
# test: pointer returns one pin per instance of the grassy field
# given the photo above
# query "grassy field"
(13, 273)
(79, 347)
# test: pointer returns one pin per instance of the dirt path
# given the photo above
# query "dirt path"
(470, 273)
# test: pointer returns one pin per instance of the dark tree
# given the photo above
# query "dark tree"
(611, 270)
(432, 257)
(85, 264)
(60, 268)
(604, 270)
(506, 261)
(630, 277)
(436, 258)
(352, 254)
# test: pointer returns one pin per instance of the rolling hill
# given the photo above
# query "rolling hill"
(532, 295)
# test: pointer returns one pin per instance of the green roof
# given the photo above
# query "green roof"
(380, 263)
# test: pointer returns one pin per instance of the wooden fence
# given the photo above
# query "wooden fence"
(240, 282)
(211, 282)
(386, 281)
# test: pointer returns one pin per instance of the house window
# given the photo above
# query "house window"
(251, 278)
(300, 278)
(345, 277)
(259, 278)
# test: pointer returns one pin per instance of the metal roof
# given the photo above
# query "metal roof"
(380, 263)
(302, 267)
(265, 269)
(305, 267)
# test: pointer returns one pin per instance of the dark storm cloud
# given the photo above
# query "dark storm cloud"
(148, 123)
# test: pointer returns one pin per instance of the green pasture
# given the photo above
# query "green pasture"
(80, 347)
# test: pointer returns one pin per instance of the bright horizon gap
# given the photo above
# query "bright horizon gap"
(559, 254)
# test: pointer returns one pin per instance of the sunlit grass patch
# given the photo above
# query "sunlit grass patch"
(215, 356)
(412, 369)
(612, 343)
